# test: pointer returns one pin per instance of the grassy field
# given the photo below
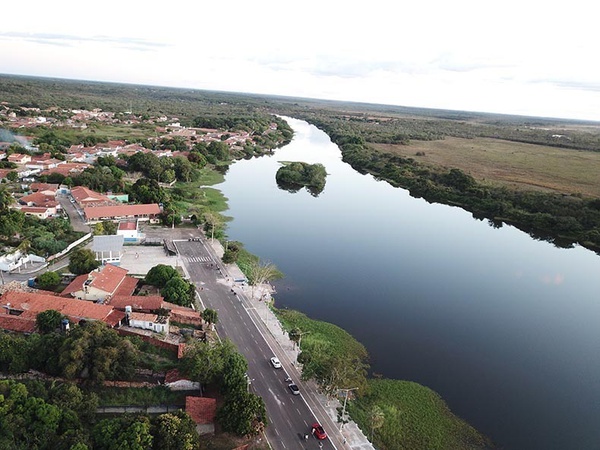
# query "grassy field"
(520, 165)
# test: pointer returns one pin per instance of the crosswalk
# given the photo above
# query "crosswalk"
(198, 259)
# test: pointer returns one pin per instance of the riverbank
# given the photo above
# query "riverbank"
(262, 297)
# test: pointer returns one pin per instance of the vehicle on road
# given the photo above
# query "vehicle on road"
(294, 388)
(275, 362)
(318, 431)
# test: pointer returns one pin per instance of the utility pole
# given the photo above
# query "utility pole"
(344, 408)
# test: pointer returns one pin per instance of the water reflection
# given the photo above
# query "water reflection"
(503, 326)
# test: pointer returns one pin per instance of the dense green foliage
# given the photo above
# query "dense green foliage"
(296, 175)
(48, 280)
(329, 354)
(160, 274)
(83, 260)
(405, 415)
(242, 412)
(48, 321)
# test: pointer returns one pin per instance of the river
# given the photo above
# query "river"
(505, 328)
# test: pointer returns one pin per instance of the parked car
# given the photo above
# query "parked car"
(319, 432)
(294, 388)
(275, 362)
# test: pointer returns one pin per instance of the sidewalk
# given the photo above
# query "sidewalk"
(260, 298)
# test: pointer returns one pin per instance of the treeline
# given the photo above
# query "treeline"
(37, 415)
(91, 353)
(395, 129)
(561, 219)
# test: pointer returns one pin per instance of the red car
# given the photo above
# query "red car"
(319, 432)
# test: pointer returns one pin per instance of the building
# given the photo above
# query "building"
(85, 197)
(27, 305)
(129, 230)
(108, 248)
(148, 321)
(149, 212)
(101, 284)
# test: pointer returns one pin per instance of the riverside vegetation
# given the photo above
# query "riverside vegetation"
(390, 142)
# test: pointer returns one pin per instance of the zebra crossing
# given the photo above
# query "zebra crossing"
(198, 259)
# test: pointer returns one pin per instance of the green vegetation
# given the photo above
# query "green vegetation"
(393, 414)
(405, 415)
(172, 286)
(123, 396)
(294, 176)
(83, 260)
(242, 412)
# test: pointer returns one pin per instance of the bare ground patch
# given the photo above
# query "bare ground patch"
(514, 164)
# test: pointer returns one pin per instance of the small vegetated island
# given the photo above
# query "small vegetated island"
(293, 176)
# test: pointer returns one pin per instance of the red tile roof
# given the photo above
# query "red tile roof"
(127, 286)
(32, 303)
(39, 199)
(137, 302)
(75, 285)
(201, 409)
(99, 212)
(109, 278)
(16, 323)
(85, 196)
(127, 225)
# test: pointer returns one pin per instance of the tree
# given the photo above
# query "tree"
(48, 280)
(48, 321)
(12, 176)
(82, 261)
(210, 316)
(123, 433)
(147, 190)
(178, 291)
(243, 414)
(205, 361)
(259, 272)
(98, 353)
(175, 431)
(211, 221)
(160, 274)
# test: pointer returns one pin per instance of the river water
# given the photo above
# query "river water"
(505, 328)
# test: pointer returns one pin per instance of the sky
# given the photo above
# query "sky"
(527, 57)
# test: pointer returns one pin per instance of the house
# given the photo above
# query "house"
(202, 410)
(152, 303)
(67, 169)
(16, 260)
(147, 212)
(108, 248)
(27, 305)
(19, 158)
(101, 284)
(148, 321)
(38, 211)
(86, 197)
(177, 382)
(45, 188)
(129, 230)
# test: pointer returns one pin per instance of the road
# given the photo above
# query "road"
(290, 416)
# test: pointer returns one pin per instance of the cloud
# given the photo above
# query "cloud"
(68, 40)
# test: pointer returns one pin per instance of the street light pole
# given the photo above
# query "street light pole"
(344, 407)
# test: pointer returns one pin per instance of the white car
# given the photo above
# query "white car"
(275, 362)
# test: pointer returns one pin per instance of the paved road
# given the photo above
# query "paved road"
(290, 416)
